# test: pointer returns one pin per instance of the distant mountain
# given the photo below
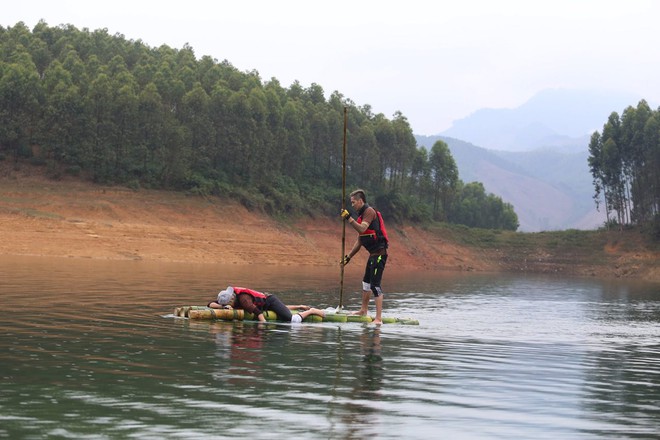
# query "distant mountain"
(535, 156)
(549, 190)
(557, 118)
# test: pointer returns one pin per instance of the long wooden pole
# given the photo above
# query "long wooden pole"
(343, 206)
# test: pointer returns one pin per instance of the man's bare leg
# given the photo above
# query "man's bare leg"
(379, 309)
(312, 311)
(300, 316)
(364, 308)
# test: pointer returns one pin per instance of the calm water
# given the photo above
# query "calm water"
(90, 350)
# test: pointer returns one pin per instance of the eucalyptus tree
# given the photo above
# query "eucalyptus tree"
(48, 36)
(238, 159)
(145, 69)
(74, 65)
(597, 170)
(314, 94)
(386, 147)
(275, 97)
(60, 128)
(124, 105)
(98, 104)
(445, 178)
(170, 87)
(636, 155)
(334, 148)
(420, 184)
(150, 136)
(367, 164)
(316, 132)
(40, 54)
(195, 118)
(615, 178)
(261, 142)
(624, 164)
(20, 96)
(208, 72)
(404, 150)
(186, 66)
(296, 150)
(606, 166)
(319, 141)
(651, 167)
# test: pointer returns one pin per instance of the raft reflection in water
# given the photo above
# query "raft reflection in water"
(272, 365)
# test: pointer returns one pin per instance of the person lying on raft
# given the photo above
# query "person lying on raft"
(252, 301)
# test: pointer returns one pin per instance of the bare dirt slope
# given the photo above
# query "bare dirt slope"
(38, 217)
(41, 217)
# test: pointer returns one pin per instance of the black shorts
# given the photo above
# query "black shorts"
(373, 273)
(276, 305)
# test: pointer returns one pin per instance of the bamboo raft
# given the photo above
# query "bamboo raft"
(208, 313)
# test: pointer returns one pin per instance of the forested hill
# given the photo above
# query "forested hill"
(118, 111)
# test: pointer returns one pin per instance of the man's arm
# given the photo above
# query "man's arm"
(247, 304)
(368, 216)
(356, 248)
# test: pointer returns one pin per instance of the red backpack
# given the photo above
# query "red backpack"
(382, 227)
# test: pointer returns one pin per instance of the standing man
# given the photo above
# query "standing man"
(373, 236)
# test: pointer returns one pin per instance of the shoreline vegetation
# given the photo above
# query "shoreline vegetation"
(74, 219)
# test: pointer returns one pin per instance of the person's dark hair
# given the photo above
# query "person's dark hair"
(360, 194)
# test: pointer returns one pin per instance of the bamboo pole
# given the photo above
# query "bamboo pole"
(343, 206)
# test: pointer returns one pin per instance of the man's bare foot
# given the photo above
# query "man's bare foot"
(359, 313)
(377, 322)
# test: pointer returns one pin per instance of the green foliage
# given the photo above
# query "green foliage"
(445, 179)
(120, 112)
(252, 199)
(73, 170)
(283, 195)
(473, 207)
(200, 185)
(625, 164)
(398, 209)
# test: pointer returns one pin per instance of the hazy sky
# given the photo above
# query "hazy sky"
(435, 61)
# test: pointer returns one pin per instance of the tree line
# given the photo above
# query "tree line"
(624, 160)
(117, 111)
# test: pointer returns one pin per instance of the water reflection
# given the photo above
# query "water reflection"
(239, 346)
(300, 372)
(493, 356)
(360, 413)
(622, 382)
(372, 359)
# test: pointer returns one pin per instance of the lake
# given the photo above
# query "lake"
(90, 350)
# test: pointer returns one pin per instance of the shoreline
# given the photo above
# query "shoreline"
(78, 220)
(73, 219)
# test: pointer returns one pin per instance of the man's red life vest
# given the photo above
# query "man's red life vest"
(259, 298)
(374, 238)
